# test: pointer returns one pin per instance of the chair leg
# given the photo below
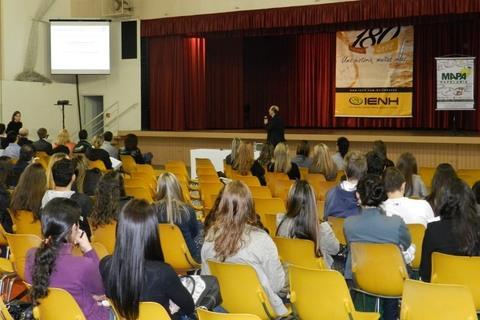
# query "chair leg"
(377, 304)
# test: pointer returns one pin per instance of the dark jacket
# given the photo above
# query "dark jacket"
(293, 174)
(275, 130)
(14, 126)
(18, 169)
(341, 203)
(23, 141)
(99, 154)
(43, 145)
(135, 153)
(82, 146)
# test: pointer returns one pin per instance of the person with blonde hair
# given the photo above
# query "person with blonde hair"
(281, 162)
(95, 152)
(63, 139)
(230, 159)
(233, 238)
(246, 164)
(171, 207)
(323, 163)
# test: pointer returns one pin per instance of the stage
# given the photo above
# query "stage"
(461, 149)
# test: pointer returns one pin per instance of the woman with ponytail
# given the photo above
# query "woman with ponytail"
(53, 265)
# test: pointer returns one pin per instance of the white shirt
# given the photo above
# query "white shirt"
(412, 211)
(52, 194)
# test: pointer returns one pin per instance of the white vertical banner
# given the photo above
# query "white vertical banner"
(455, 83)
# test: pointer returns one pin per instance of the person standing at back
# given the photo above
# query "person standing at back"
(15, 124)
(42, 144)
(275, 127)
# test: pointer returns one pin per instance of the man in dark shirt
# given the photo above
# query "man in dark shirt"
(42, 144)
(3, 136)
(275, 127)
(83, 144)
(26, 155)
(23, 137)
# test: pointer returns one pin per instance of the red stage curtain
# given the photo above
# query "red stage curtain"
(305, 16)
(224, 73)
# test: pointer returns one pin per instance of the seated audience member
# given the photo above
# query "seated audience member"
(373, 226)
(54, 158)
(281, 162)
(341, 201)
(476, 193)
(381, 148)
(107, 145)
(63, 139)
(266, 155)
(87, 179)
(25, 158)
(246, 164)
(95, 152)
(458, 230)
(414, 186)
(15, 123)
(231, 238)
(410, 210)
(322, 163)
(42, 144)
(138, 262)
(13, 149)
(131, 148)
(29, 191)
(63, 173)
(171, 207)
(5, 173)
(54, 265)
(3, 137)
(444, 175)
(375, 163)
(302, 159)
(108, 200)
(230, 159)
(23, 137)
(301, 221)
(83, 144)
(342, 149)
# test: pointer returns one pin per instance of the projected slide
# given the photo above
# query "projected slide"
(80, 47)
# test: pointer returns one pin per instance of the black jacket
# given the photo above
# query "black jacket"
(99, 154)
(275, 130)
(43, 145)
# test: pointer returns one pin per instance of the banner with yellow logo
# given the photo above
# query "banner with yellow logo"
(374, 72)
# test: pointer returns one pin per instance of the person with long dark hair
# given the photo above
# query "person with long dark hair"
(458, 230)
(414, 186)
(301, 222)
(373, 226)
(131, 148)
(136, 271)
(443, 176)
(53, 265)
(15, 123)
(342, 149)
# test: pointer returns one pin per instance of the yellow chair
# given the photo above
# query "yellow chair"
(208, 179)
(315, 178)
(206, 192)
(322, 295)
(320, 209)
(378, 269)
(139, 193)
(206, 171)
(272, 178)
(105, 235)
(24, 223)
(303, 173)
(128, 163)
(176, 168)
(260, 192)
(227, 169)
(337, 227)
(209, 315)
(470, 176)
(268, 209)
(281, 189)
(321, 188)
(135, 182)
(417, 231)
(4, 313)
(58, 301)
(8, 275)
(175, 249)
(100, 250)
(427, 175)
(19, 245)
(248, 180)
(241, 289)
(146, 168)
(299, 252)
(426, 301)
(147, 311)
(461, 270)
(97, 164)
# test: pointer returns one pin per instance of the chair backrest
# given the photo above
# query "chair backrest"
(315, 178)
(174, 247)
(260, 192)
(321, 188)
(24, 223)
(337, 227)
(268, 209)
(19, 245)
(128, 163)
(299, 252)
(273, 177)
(378, 268)
(241, 289)
(417, 232)
(206, 171)
(147, 311)
(208, 179)
(426, 301)
(461, 270)
(209, 315)
(175, 168)
(320, 294)
(248, 180)
(207, 190)
(281, 188)
(139, 193)
(427, 174)
(106, 236)
(97, 164)
(58, 302)
(303, 173)
(321, 209)
(4, 313)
